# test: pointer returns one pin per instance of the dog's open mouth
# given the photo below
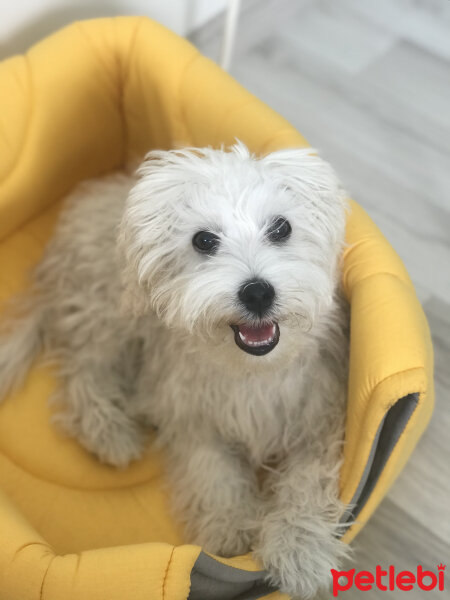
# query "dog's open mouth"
(257, 339)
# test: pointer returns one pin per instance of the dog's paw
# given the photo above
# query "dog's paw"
(120, 445)
(298, 560)
(224, 537)
(115, 441)
(226, 543)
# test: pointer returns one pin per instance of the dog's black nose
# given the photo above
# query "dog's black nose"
(257, 296)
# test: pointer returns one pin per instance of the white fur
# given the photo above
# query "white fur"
(138, 322)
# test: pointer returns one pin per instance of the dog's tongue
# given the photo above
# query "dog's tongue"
(261, 333)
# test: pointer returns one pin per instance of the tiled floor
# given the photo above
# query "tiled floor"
(368, 84)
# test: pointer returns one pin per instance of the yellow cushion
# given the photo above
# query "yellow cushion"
(85, 101)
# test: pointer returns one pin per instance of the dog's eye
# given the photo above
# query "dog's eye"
(279, 230)
(206, 242)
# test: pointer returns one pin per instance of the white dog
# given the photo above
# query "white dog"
(202, 298)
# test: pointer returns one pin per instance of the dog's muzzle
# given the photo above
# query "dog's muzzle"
(257, 340)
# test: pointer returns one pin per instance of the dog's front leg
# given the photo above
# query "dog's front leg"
(299, 542)
(215, 493)
(94, 412)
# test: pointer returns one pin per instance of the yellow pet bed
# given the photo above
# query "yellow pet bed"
(86, 101)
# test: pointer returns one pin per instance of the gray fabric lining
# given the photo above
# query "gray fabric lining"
(350, 513)
(388, 434)
(212, 580)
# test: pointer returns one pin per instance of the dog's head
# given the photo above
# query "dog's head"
(238, 251)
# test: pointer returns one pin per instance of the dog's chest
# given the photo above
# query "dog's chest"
(257, 413)
(261, 415)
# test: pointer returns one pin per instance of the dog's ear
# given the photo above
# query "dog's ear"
(314, 183)
(146, 229)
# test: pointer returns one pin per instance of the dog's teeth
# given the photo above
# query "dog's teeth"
(256, 343)
(259, 343)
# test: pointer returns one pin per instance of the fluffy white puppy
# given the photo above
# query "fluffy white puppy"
(202, 298)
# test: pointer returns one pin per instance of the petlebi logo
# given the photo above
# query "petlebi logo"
(388, 579)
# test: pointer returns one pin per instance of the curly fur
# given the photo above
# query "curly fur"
(138, 322)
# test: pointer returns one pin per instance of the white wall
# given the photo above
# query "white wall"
(23, 22)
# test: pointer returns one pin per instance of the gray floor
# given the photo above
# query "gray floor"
(368, 83)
